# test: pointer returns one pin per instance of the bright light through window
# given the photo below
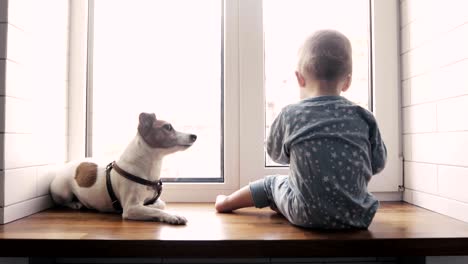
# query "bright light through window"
(163, 57)
(287, 23)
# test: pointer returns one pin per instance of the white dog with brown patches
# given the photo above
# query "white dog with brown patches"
(131, 185)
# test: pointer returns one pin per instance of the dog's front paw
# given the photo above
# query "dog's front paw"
(175, 220)
(74, 205)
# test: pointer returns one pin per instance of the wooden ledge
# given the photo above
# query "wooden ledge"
(399, 229)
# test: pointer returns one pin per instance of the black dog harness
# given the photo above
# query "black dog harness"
(156, 185)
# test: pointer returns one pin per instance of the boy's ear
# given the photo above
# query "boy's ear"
(146, 121)
(347, 83)
(300, 79)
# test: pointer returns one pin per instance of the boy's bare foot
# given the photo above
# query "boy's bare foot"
(276, 210)
(236, 200)
(221, 204)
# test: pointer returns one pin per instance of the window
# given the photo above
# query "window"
(154, 56)
(282, 44)
(219, 77)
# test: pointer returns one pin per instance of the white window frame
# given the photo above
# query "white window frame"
(244, 98)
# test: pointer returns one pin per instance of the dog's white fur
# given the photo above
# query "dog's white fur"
(140, 159)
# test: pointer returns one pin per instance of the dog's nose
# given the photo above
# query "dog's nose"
(193, 137)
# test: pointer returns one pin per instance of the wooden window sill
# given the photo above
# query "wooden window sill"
(398, 229)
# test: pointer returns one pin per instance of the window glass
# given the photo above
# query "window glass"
(286, 25)
(163, 57)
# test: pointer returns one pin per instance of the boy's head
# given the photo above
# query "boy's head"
(325, 60)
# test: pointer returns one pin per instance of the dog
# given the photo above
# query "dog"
(131, 185)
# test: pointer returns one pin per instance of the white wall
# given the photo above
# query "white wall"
(33, 97)
(434, 36)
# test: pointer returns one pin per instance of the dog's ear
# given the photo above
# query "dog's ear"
(146, 123)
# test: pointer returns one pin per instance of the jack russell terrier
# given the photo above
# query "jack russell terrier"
(132, 184)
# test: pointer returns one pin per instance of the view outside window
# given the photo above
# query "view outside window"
(286, 25)
(163, 57)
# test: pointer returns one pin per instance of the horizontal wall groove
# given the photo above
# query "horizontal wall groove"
(11, 60)
(20, 202)
(15, 26)
(27, 166)
(421, 191)
(438, 164)
(434, 132)
(17, 133)
(16, 97)
(435, 100)
(32, 100)
(433, 38)
(438, 196)
(434, 70)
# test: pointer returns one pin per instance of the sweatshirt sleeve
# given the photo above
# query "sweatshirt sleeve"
(275, 144)
(378, 149)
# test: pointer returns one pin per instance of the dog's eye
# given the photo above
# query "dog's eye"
(168, 127)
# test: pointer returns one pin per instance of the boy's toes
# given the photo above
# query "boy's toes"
(220, 204)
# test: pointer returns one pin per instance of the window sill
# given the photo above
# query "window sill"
(399, 229)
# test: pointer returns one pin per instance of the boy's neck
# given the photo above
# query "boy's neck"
(308, 93)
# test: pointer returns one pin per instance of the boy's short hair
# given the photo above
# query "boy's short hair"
(326, 55)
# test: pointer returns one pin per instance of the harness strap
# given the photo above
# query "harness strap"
(156, 185)
(115, 202)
